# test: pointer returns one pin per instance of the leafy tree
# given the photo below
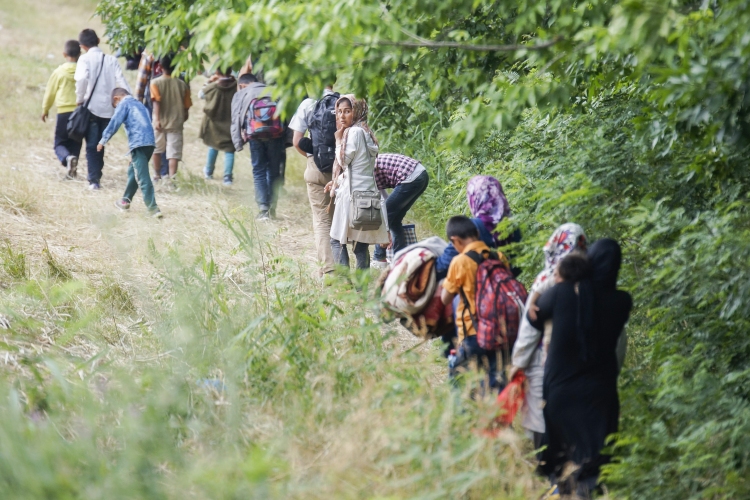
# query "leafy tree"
(630, 117)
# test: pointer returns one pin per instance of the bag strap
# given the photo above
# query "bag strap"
(101, 67)
(475, 256)
(467, 305)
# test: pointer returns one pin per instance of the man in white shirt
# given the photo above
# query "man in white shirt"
(316, 181)
(92, 65)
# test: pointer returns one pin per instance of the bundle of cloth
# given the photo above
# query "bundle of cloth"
(410, 290)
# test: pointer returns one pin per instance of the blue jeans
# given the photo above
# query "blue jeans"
(65, 146)
(396, 206)
(138, 176)
(266, 157)
(94, 158)
(211, 163)
(341, 255)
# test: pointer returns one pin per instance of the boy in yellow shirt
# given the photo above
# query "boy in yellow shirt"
(61, 91)
(462, 281)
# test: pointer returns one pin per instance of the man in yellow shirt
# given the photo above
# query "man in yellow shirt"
(61, 92)
(462, 280)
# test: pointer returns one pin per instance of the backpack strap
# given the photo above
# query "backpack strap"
(475, 256)
(467, 305)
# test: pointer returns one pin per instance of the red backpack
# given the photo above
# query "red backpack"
(263, 121)
(500, 300)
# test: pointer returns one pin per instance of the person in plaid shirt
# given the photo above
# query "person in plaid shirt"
(408, 178)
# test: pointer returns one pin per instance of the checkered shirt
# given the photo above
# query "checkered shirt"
(391, 169)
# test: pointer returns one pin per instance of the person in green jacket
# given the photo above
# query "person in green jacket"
(61, 91)
(217, 121)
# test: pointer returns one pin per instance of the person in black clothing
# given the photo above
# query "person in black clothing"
(580, 380)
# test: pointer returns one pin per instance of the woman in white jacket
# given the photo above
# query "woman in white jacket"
(529, 351)
(356, 152)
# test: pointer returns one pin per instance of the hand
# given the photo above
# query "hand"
(79, 103)
(532, 312)
(339, 134)
(513, 371)
(157, 126)
(44, 117)
(328, 187)
(99, 147)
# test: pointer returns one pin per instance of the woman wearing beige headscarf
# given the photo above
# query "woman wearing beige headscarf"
(356, 152)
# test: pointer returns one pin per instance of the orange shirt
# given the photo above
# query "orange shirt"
(462, 275)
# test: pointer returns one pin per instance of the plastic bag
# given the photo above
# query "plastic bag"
(511, 399)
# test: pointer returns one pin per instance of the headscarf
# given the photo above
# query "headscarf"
(564, 240)
(359, 119)
(487, 202)
(605, 257)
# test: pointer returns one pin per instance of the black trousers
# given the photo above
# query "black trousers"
(64, 145)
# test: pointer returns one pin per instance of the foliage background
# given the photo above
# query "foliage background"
(629, 117)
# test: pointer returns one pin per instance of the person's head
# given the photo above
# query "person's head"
(246, 80)
(573, 268)
(344, 112)
(487, 201)
(461, 231)
(88, 39)
(72, 50)
(166, 64)
(118, 94)
(225, 71)
(605, 257)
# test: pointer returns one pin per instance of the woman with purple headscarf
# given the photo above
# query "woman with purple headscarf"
(488, 207)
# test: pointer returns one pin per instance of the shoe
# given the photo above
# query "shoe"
(155, 180)
(227, 180)
(379, 264)
(72, 162)
(94, 186)
(156, 214)
(263, 215)
(122, 203)
(207, 176)
(272, 213)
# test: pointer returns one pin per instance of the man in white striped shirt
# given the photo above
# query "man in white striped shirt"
(92, 65)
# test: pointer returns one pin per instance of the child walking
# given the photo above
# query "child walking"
(61, 91)
(171, 101)
(217, 121)
(134, 115)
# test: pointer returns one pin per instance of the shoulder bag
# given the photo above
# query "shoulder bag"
(365, 209)
(78, 122)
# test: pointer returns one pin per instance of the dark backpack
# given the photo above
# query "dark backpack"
(322, 132)
(500, 300)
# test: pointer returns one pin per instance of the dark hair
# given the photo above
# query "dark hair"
(247, 78)
(118, 92)
(88, 38)
(72, 49)
(166, 64)
(461, 227)
(345, 99)
(225, 70)
(574, 267)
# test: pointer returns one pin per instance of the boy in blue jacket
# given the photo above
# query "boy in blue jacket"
(134, 115)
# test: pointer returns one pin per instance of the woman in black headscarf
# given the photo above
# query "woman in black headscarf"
(580, 379)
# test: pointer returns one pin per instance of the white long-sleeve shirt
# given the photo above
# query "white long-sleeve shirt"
(111, 77)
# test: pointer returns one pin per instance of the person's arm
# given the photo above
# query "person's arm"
(247, 67)
(296, 137)
(144, 76)
(188, 102)
(120, 80)
(121, 112)
(81, 77)
(544, 307)
(49, 95)
(531, 309)
(452, 283)
(155, 102)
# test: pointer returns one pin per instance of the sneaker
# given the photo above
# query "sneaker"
(263, 215)
(94, 186)
(122, 203)
(227, 180)
(72, 162)
(155, 180)
(156, 214)
(379, 264)
(208, 177)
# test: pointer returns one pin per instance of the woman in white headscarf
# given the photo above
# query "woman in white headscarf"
(528, 351)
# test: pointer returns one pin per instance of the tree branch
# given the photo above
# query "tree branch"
(456, 45)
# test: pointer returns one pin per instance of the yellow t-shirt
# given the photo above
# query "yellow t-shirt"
(462, 275)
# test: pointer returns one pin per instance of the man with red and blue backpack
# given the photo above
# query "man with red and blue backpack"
(490, 301)
(256, 121)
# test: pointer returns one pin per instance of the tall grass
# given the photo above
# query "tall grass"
(259, 384)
